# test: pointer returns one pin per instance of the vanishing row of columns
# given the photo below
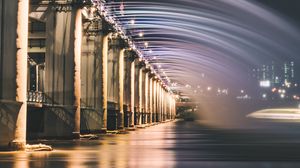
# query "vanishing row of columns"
(149, 101)
(141, 99)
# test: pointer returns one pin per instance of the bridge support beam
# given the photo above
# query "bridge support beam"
(13, 73)
(77, 69)
(154, 101)
(132, 93)
(141, 97)
(63, 62)
(147, 114)
(150, 99)
(104, 78)
(121, 90)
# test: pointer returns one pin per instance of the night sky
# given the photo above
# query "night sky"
(288, 8)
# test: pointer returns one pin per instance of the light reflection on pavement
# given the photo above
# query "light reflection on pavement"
(173, 144)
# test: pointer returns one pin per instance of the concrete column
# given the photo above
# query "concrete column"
(77, 63)
(161, 103)
(146, 105)
(104, 79)
(121, 89)
(132, 93)
(136, 91)
(62, 73)
(158, 102)
(151, 99)
(166, 105)
(154, 107)
(174, 108)
(170, 105)
(20, 49)
(91, 78)
(140, 95)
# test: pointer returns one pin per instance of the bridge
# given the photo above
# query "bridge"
(68, 69)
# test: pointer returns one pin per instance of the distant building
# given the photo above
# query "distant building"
(275, 74)
(277, 80)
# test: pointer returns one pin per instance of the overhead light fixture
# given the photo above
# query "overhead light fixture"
(132, 21)
(141, 34)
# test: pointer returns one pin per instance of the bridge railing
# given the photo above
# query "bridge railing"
(36, 97)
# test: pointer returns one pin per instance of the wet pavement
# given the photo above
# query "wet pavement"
(173, 144)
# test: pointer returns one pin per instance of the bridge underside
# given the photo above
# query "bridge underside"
(63, 74)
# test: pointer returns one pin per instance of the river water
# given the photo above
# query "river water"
(172, 144)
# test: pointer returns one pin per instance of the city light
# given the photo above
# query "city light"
(265, 83)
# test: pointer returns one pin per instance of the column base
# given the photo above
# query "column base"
(103, 131)
(131, 128)
(17, 145)
(141, 126)
(76, 135)
(112, 119)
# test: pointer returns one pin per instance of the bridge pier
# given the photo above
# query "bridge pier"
(13, 66)
(121, 90)
(83, 81)
(128, 89)
(132, 93)
(62, 74)
(150, 98)
(92, 76)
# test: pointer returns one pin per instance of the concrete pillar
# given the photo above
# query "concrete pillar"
(140, 96)
(104, 79)
(21, 72)
(13, 73)
(151, 99)
(174, 108)
(146, 108)
(132, 93)
(170, 106)
(158, 102)
(91, 78)
(77, 63)
(121, 89)
(161, 103)
(166, 106)
(113, 84)
(62, 71)
(128, 58)
(136, 91)
(154, 101)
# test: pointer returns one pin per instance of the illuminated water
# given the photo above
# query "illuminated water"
(221, 39)
(198, 44)
(176, 144)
